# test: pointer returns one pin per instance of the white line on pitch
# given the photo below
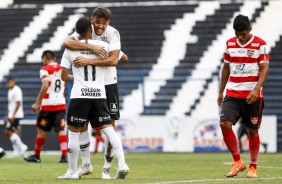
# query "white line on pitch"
(217, 180)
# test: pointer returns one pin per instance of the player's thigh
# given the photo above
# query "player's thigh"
(78, 112)
(113, 100)
(253, 113)
(59, 120)
(100, 114)
(230, 110)
(45, 120)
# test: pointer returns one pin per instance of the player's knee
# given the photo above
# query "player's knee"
(225, 125)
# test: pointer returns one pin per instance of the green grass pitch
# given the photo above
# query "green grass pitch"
(151, 168)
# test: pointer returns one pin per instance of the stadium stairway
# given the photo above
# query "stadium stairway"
(206, 31)
(141, 45)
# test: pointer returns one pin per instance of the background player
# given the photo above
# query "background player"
(244, 71)
(2, 152)
(53, 107)
(88, 102)
(103, 31)
(14, 115)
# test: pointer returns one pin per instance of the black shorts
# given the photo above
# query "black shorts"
(82, 110)
(235, 108)
(113, 100)
(12, 126)
(48, 119)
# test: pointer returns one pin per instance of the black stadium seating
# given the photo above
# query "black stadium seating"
(142, 34)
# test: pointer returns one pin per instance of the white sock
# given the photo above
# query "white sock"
(73, 151)
(84, 143)
(116, 144)
(109, 154)
(16, 142)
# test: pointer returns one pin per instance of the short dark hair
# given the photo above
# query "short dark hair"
(9, 77)
(241, 23)
(82, 25)
(48, 54)
(102, 12)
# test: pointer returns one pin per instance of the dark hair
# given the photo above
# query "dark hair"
(48, 54)
(241, 23)
(102, 12)
(9, 77)
(82, 25)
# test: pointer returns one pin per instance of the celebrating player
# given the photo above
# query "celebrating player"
(103, 31)
(245, 70)
(88, 103)
(53, 107)
(14, 114)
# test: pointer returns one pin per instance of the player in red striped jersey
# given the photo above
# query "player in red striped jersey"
(53, 107)
(244, 72)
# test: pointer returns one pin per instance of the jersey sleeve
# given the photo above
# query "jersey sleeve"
(66, 62)
(263, 54)
(19, 95)
(114, 43)
(226, 55)
(120, 55)
(44, 74)
(75, 35)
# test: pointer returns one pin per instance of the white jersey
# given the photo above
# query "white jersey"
(88, 80)
(112, 37)
(15, 95)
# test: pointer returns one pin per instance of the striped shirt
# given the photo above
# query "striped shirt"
(244, 61)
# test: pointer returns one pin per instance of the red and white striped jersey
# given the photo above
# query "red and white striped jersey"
(54, 99)
(244, 61)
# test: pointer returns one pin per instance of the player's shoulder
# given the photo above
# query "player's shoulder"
(231, 41)
(111, 29)
(259, 40)
(98, 42)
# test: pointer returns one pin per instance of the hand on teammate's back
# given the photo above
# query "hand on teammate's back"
(99, 50)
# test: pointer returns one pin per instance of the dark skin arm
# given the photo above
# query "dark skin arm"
(225, 72)
(110, 61)
(65, 75)
(124, 58)
(72, 44)
(263, 72)
(43, 90)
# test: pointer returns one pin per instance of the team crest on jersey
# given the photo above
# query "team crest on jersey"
(255, 44)
(250, 52)
(231, 43)
(254, 120)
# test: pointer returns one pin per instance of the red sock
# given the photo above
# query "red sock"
(63, 140)
(231, 143)
(39, 142)
(254, 144)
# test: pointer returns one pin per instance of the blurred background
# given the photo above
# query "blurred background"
(169, 86)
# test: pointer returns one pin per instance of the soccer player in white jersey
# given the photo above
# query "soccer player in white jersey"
(88, 103)
(103, 31)
(12, 119)
(244, 72)
(52, 103)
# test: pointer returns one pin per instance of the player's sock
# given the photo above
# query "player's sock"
(116, 144)
(39, 142)
(254, 144)
(16, 142)
(73, 150)
(63, 140)
(109, 154)
(84, 142)
(231, 143)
